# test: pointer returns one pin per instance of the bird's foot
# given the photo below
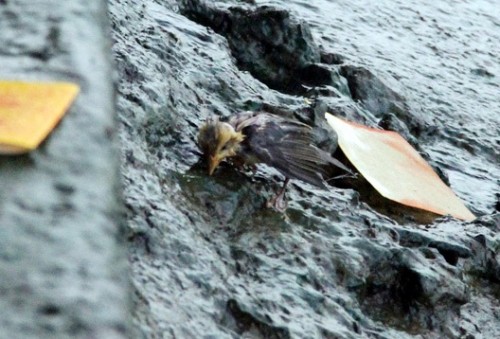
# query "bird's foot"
(278, 203)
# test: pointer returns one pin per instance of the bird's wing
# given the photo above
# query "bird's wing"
(244, 119)
(287, 146)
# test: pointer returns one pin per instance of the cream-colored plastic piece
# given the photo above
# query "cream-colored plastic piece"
(396, 170)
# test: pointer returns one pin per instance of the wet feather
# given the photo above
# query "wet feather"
(279, 142)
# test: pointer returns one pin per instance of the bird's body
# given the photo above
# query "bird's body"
(250, 138)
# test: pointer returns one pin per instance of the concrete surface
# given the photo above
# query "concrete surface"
(63, 271)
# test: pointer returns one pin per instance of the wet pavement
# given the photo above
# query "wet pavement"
(208, 261)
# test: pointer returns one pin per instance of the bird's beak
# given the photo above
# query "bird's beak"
(213, 162)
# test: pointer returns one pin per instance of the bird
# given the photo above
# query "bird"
(249, 138)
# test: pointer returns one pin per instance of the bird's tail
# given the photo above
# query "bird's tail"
(340, 165)
(332, 161)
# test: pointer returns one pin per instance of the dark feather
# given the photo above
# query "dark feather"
(284, 144)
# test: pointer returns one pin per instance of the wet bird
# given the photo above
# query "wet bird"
(250, 138)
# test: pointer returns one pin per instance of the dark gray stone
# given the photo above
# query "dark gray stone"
(374, 94)
(208, 261)
(63, 270)
(270, 43)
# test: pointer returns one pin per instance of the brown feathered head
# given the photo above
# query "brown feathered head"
(218, 140)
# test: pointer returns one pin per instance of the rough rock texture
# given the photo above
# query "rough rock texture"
(63, 268)
(270, 43)
(208, 261)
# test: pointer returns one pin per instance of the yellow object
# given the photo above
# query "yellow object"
(29, 111)
(396, 170)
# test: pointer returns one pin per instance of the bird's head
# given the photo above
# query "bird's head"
(218, 140)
